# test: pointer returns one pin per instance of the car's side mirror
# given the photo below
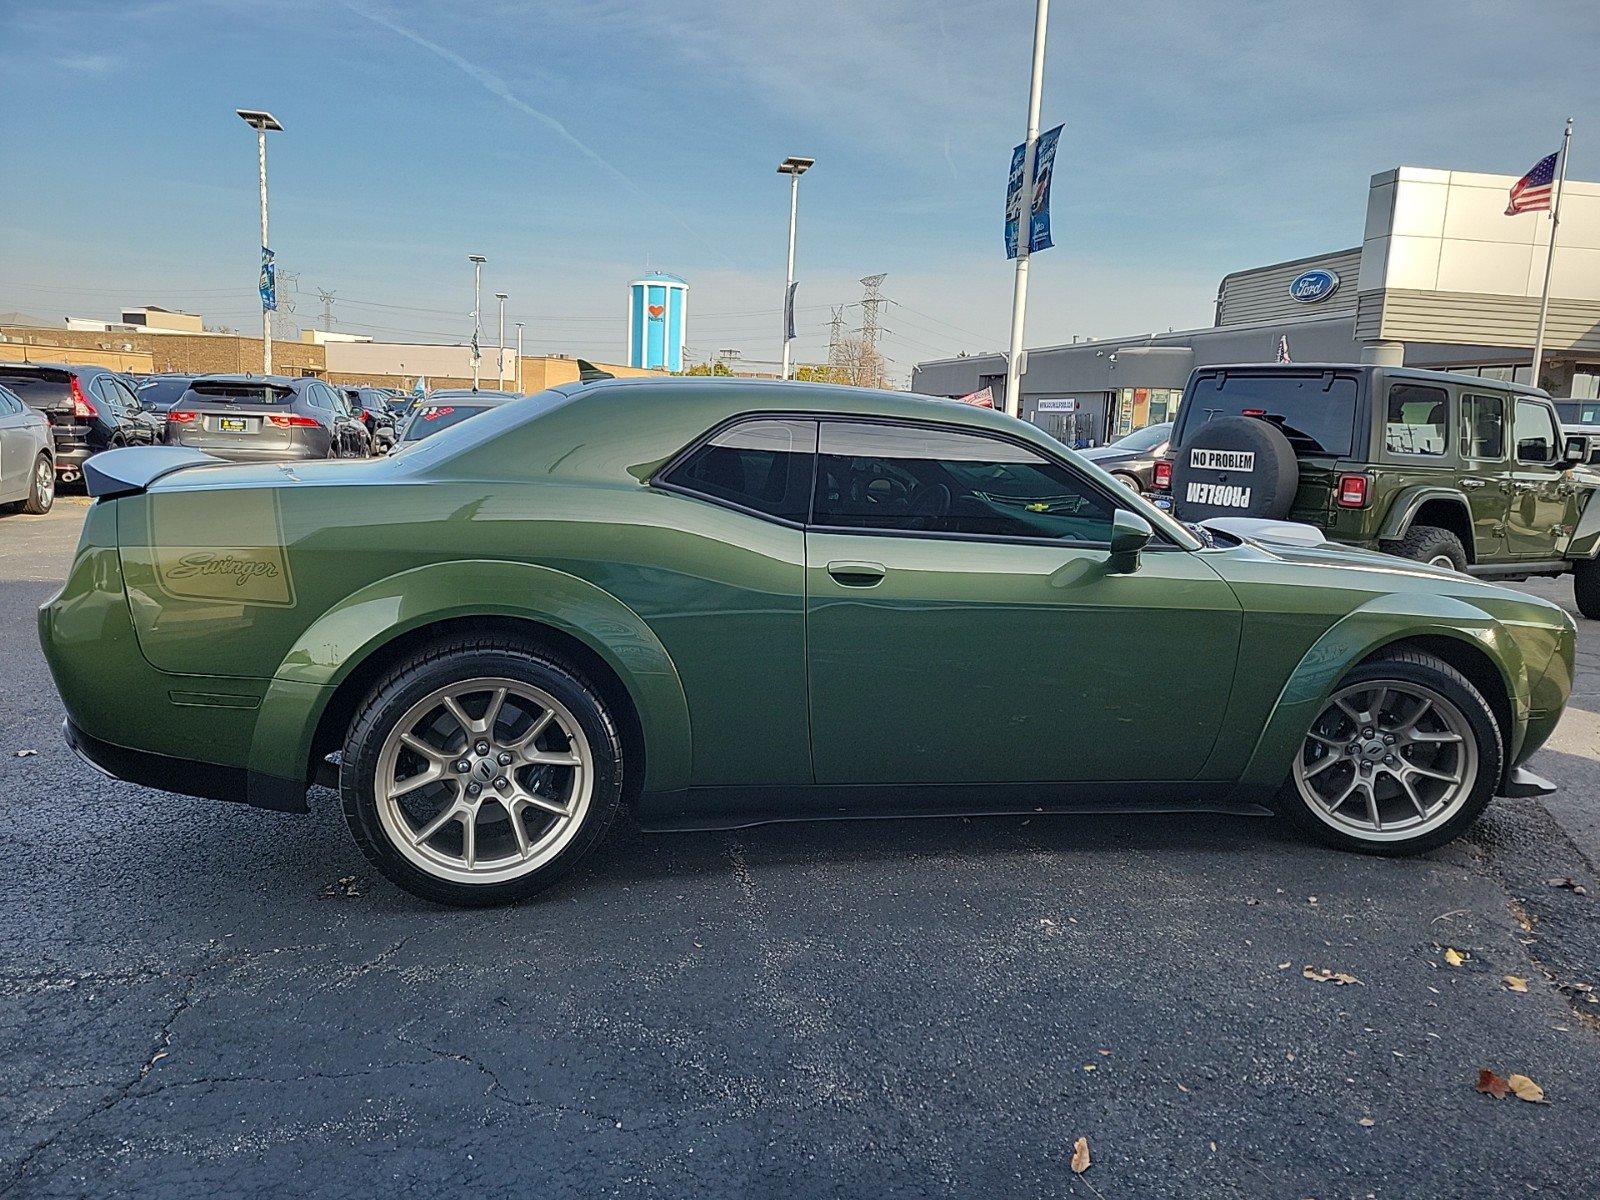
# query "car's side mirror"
(1130, 533)
(1577, 449)
(1533, 450)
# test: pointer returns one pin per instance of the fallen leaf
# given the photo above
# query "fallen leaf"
(1080, 1156)
(1088, 1066)
(1526, 1089)
(1323, 975)
(1366, 1122)
(348, 885)
(1516, 983)
(1491, 1084)
(1453, 956)
(1283, 966)
(1569, 883)
(26, 753)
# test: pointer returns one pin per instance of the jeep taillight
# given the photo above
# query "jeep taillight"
(1352, 491)
(81, 408)
(1163, 475)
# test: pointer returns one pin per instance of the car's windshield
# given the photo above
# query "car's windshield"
(1147, 438)
(431, 418)
(1579, 412)
(1316, 410)
(162, 393)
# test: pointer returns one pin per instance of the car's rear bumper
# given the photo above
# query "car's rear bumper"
(296, 452)
(186, 776)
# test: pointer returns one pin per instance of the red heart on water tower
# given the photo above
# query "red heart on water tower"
(655, 311)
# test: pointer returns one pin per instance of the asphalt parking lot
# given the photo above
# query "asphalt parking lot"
(204, 999)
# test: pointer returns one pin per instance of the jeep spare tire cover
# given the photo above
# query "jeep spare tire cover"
(1234, 467)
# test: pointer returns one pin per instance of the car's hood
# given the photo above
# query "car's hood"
(1333, 567)
(1102, 453)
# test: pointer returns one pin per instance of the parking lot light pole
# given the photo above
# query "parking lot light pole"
(519, 356)
(1019, 294)
(477, 261)
(261, 122)
(501, 362)
(793, 167)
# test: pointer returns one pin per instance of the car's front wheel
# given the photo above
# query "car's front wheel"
(479, 772)
(1403, 756)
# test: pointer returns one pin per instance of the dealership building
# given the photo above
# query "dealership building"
(1443, 279)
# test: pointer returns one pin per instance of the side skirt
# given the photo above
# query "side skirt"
(739, 807)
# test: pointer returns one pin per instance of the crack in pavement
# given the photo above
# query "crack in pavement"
(162, 1044)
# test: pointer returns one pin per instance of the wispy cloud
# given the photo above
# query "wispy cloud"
(88, 64)
(498, 87)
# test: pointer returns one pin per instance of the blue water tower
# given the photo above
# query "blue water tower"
(658, 313)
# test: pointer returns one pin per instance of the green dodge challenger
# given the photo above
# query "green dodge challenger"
(718, 603)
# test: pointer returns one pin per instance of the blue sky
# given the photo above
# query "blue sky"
(576, 143)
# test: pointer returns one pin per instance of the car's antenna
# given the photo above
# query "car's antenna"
(588, 372)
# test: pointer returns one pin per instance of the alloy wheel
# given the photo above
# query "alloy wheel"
(1387, 761)
(484, 781)
(1442, 561)
(45, 477)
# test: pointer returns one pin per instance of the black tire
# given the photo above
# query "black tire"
(1235, 467)
(1131, 482)
(41, 498)
(1586, 587)
(414, 680)
(1411, 666)
(1430, 544)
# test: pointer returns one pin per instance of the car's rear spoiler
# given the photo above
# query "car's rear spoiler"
(130, 471)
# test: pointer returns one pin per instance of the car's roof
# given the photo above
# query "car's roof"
(1455, 377)
(75, 368)
(489, 395)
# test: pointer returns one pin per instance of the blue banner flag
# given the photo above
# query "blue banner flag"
(269, 280)
(1044, 160)
(788, 311)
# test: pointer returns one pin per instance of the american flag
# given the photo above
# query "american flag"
(1283, 349)
(1531, 193)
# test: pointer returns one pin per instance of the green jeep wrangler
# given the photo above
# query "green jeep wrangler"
(1460, 472)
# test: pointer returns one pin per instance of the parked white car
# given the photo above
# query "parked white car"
(27, 456)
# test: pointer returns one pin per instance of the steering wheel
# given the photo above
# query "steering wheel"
(929, 504)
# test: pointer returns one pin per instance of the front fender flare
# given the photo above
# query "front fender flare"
(1381, 622)
(1406, 505)
(348, 633)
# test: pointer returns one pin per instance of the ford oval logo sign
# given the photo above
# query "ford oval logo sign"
(1312, 287)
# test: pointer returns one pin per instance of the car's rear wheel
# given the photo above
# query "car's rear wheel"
(480, 772)
(1403, 756)
(42, 487)
(1432, 545)
(1131, 482)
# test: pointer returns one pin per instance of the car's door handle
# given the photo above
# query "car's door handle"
(1472, 483)
(857, 574)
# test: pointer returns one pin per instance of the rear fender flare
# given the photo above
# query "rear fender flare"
(1410, 501)
(1380, 622)
(361, 624)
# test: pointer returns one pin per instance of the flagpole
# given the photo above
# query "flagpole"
(1550, 261)
(1030, 144)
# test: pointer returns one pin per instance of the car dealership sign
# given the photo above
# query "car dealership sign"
(1314, 286)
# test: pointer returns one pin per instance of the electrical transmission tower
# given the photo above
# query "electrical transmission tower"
(836, 345)
(327, 308)
(870, 302)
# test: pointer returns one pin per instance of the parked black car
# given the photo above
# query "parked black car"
(255, 418)
(374, 408)
(447, 407)
(89, 408)
(1131, 459)
(157, 393)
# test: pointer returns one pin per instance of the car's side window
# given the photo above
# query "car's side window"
(318, 398)
(923, 479)
(1418, 421)
(1534, 433)
(126, 400)
(1483, 426)
(764, 464)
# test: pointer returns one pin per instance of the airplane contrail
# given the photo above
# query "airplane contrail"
(496, 86)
